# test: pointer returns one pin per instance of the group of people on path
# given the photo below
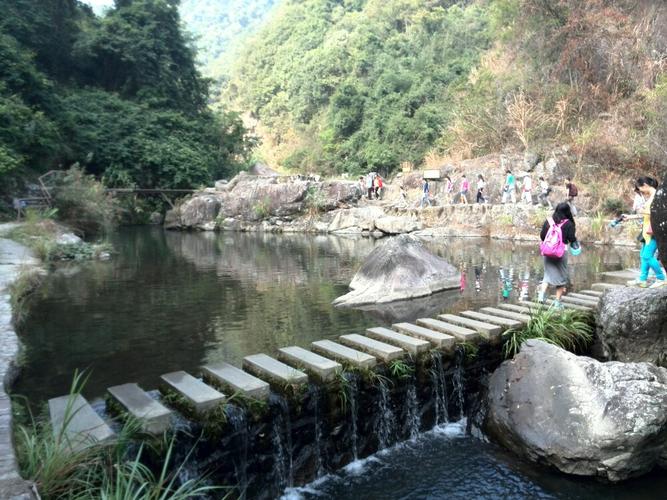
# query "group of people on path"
(372, 185)
(559, 231)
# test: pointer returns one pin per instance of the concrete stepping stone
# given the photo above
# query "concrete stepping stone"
(623, 275)
(437, 339)
(570, 305)
(412, 345)
(592, 293)
(584, 296)
(461, 333)
(380, 350)
(523, 309)
(604, 286)
(343, 354)
(154, 417)
(318, 366)
(82, 426)
(233, 379)
(573, 300)
(488, 318)
(487, 330)
(273, 371)
(504, 313)
(202, 397)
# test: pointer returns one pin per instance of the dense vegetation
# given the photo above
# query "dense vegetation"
(354, 85)
(118, 94)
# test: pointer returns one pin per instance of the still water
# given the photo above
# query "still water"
(174, 301)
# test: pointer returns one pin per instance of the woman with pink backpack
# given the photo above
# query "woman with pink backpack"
(558, 231)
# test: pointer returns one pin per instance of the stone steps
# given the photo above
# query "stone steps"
(504, 322)
(438, 340)
(154, 417)
(592, 293)
(516, 308)
(570, 305)
(343, 354)
(583, 296)
(461, 333)
(73, 419)
(504, 313)
(487, 330)
(601, 287)
(202, 397)
(380, 350)
(233, 379)
(566, 299)
(315, 365)
(412, 345)
(273, 371)
(622, 275)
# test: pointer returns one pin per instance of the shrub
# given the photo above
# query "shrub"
(568, 329)
(83, 203)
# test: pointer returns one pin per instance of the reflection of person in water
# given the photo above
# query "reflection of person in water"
(525, 282)
(478, 279)
(506, 282)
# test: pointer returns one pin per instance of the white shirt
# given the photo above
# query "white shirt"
(527, 183)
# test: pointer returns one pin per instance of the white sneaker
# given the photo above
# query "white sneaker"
(659, 284)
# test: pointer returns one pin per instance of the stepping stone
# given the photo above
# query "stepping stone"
(201, 396)
(570, 305)
(579, 302)
(461, 333)
(503, 313)
(320, 367)
(523, 309)
(625, 274)
(592, 293)
(604, 286)
(487, 330)
(343, 354)
(584, 296)
(154, 418)
(410, 344)
(273, 370)
(83, 427)
(380, 350)
(488, 318)
(437, 339)
(234, 379)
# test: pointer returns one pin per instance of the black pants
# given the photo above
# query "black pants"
(480, 196)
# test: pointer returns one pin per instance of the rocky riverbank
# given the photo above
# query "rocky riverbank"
(14, 260)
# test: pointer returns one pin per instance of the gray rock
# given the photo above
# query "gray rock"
(355, 219)
(659, 220)
(401, 268)
(198, 212)
(397, 225)
(632, 325)
(579, 415)
(530, 160)
(68, 239)
(156, 218)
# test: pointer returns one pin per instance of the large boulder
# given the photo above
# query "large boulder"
(632, 326)
(401, 268)
(354, 220)
(579, 415)
(198, 212)
(659, 221)
(397, 225)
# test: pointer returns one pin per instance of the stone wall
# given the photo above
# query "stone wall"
(14, 258)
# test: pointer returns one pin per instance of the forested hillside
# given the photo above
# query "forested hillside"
(219, 24)
(118, 94)
(354, 85)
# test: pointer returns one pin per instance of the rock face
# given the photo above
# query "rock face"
(632, 326)
(199, 212)
(579, 415)
(659, 221)
(397, 225)
(401, 268)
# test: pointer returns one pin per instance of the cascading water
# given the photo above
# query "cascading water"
(281, 437)
(236, 416)
(458, 381)
(387, 419)
(440, 396)
(318, 432)
(412, 418)
(354, 413)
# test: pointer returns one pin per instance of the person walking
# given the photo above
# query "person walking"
(509, 189)
(545, 190)
(362, 186)
(481, 184)
(526, 190)
(647, 187)
(449, 189)
(425, 194)
(572, 193)
(463, 193)
(558, 231)
(378, 187)
(369, 185)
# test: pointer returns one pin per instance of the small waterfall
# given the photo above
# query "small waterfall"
(236, 416)
(318, 432)
(281, 437)
(387, 420)
(459, 381)
(440, 396)
(412, 420)
(354, 414)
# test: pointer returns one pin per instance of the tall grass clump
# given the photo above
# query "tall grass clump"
(20, 291)
(569, 329)
(61, 465)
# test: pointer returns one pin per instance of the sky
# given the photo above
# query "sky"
(99, 5)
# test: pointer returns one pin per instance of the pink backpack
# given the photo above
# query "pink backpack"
(553, 244)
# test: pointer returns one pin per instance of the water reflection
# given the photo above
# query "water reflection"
(171, 300)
